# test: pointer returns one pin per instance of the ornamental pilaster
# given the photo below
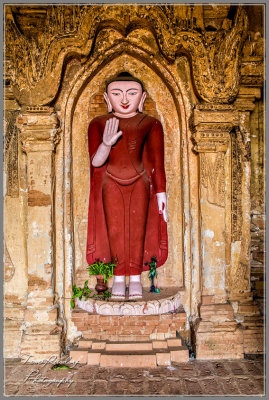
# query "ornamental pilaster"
(212, 126)
(238, 277)
(39, 134)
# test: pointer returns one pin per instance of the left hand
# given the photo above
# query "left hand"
(162, 204)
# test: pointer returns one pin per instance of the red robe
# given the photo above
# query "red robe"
(140, 148)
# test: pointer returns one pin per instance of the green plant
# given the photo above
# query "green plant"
(102, 268)
(87, 294)
(97, 268)
(60, 366)
(104, 295)
(80, 292)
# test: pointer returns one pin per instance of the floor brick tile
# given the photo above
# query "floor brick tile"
(236, 367)
(20, 371)
(247, 386)
(156, 386)
(29, 389)
(154, 373)
(193, 387)
(100, 387)
(117, 387)
(81, 388)
(187, 370)
(229, 385)
(118, 373)
(136, 387)
(176, 387)
(203, 368)
(211, 386)
(251, 369)
(220, 368)
(11, 389)
(8, 370)
(260, 365)
(62, 390)
(86, 372)
(259, 383)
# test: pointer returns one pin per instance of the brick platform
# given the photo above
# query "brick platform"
(130, 354)
(129, 340)
(129, 327)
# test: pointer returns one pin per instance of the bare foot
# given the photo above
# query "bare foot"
(135, 287)
(118, 288)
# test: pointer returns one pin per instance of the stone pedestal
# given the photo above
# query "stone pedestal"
(218, 335)
(247, 313)
(39, 135)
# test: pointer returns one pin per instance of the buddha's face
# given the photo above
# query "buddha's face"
(125, 97)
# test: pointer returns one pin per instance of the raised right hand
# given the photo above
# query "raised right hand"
(111, 133)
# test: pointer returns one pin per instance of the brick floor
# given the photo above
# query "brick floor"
(229, 386)
(231, 377)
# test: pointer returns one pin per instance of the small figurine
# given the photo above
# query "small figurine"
(152, 273)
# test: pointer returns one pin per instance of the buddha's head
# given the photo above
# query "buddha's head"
(125, 95)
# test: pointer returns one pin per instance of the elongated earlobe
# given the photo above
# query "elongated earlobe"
(141, 104)
(109, 106)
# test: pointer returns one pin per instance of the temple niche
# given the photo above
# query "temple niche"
(202, 68)
(172, 273)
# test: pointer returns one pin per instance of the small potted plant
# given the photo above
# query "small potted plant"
(103, 271)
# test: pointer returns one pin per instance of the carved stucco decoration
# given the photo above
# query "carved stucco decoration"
(236, 192)
(34, 63)
(211, 125)
(240, 282)
(252, 65)
(9, 267)
(39, 128)
(212, 137)
(241, 152)
(153, 307)
(212, 178)
(11, 154)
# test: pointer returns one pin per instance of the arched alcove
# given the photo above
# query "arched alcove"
(162, 102)
(171, 92)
